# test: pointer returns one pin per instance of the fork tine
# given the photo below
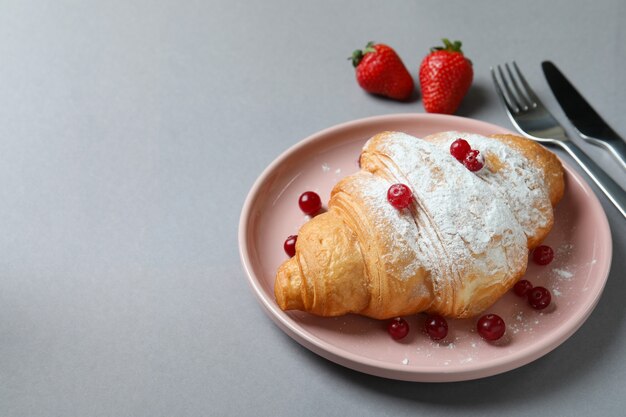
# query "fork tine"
(510, 106)
(512, 97)
(523, 98)
(534, 100)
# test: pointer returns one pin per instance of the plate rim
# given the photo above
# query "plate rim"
(398, 371)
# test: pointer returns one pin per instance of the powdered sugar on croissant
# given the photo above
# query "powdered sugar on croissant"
(462, 243)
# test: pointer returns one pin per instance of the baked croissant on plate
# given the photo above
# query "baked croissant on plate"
(459, 246)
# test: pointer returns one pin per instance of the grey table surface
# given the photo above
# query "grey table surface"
(130, 134)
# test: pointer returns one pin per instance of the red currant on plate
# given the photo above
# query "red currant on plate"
(522, 287)
(310, 203)
(543, 255)
(491, 327)
(398, 328)
(539, 298)
(459, 149)
(290, 245)
(474, 161)
(436, 327)
(400, 196)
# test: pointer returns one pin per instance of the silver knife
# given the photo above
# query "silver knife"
(588, 123)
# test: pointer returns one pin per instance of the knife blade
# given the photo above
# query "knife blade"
(588, 123)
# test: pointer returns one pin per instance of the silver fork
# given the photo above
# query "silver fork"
(532, 119)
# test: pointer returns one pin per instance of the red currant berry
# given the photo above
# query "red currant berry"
(522, 287)
(543, 255)
(539, 298)
(459, 148)
(400, 196)
(290, 245)
(474, 161)
(436, 327)
(398, 328)
(491, 327)
(310, 203)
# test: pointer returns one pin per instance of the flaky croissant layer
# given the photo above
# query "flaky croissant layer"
(461, 244)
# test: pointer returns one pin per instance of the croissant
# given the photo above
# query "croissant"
(461, 244)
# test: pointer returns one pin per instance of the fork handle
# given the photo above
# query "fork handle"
(616, 147)
(610, 188)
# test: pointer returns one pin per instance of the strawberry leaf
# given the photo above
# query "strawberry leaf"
(370, 47)
(358, 55)
(448, 46)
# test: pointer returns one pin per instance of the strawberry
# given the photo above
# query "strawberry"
(445, 76)
(379, 70)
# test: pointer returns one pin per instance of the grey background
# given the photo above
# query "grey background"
(130, 133)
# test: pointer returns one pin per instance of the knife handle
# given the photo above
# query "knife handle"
(610, 188)
(616, 147)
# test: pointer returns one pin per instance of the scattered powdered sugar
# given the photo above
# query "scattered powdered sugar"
(523, 326)
(565, 249)
(405, 361)
(427, 354)
(562, 273)
(326, 168)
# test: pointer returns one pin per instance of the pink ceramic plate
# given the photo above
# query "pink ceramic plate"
(581, 239)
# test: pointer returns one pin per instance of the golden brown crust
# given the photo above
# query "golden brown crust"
(327, 269)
